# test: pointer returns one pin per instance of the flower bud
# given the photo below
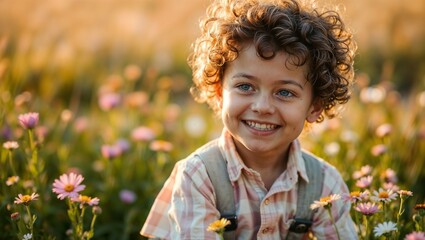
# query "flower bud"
(15, 216)
(97, 210)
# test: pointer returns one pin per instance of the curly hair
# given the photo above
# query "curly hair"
(318, 39)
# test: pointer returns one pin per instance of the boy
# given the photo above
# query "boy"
(267, 69)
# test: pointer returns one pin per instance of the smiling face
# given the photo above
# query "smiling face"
(265, 104)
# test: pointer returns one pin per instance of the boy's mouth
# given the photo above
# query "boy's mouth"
(261, 126)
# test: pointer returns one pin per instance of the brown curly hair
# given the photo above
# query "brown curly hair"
(310, 37)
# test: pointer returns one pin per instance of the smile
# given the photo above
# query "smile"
(261, 126)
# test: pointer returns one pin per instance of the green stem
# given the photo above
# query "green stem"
(31, 223)
(333, 221)
(11, 163)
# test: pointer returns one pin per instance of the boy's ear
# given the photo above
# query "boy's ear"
(314, 111)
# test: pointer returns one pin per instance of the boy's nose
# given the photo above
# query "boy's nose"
(263, 105)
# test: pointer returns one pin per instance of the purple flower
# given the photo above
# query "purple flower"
(127, 196)
(415, 236)
(111, 151)
(143, 134)
(364, 182)
(28, 120)
(367, 208)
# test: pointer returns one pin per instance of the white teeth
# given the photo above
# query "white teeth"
(261, 126)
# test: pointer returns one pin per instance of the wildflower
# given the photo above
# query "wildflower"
(195, 125)
(355, 196)
(15, 216)
(368, 208)
(384, 228)
(365, 170)
(107, 101)
(127, 196)
(405, 193)
(383, 130)
(10, 145)
(143, 134)
(218, 226)
(28, 120)
(160, 145)
(110, 151)
(96, 210)
(325, 201)
(12, 180)
(390, 186)
(68, 185)
(27, 236)
(389, 175)
(26, 199)
(132, 72)
(136, 99)
(384, 195)
(332, 149)
(66, 115)
(82, 199)
(420, 206)
(364, 182)
(123, 144)
(372, 95)
(81, 124)
(415, 236)
(378, 150)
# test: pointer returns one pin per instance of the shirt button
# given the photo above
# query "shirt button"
(266, 201)
(265, 230)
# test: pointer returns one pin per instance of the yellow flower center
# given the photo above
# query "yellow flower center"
(26, 198)
(84, 199)
(384, 195)
(325, 199)
(69, 188)
(355, 194)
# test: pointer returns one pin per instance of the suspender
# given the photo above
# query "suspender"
(216, 167)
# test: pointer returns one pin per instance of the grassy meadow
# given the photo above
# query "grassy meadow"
(110, 84)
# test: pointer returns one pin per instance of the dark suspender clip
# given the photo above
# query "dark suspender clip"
(300, 225)
(233, 222)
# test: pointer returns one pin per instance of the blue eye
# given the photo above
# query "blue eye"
(285, 93)
(244, 87)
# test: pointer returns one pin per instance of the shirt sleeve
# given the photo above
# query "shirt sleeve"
(185, 206)
(322, 226)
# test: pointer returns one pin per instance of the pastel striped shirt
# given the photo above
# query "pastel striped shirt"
(185, 206)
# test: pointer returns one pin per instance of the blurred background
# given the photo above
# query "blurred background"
(64, 58)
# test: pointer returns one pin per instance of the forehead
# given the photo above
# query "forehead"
(249, 60)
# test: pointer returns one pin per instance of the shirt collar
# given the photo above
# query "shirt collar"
(235, 164)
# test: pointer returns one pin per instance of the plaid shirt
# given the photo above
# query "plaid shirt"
(186, 204)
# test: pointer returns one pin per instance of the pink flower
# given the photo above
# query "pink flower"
(108, 101)
(68, 185)
(378, 150)
(28, 120)
(389, 175)
(25, 199)
(143, 134)
(364, 182)
(355, 196)
(127, 196)
(367, 208)
(415, 236)
(383, 130)
(161, 146)
(111, 151)
(365, 170)
(82, 199)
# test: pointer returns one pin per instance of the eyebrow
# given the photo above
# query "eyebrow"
(283, 81)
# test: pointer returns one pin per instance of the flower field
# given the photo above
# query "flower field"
(90, 130)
